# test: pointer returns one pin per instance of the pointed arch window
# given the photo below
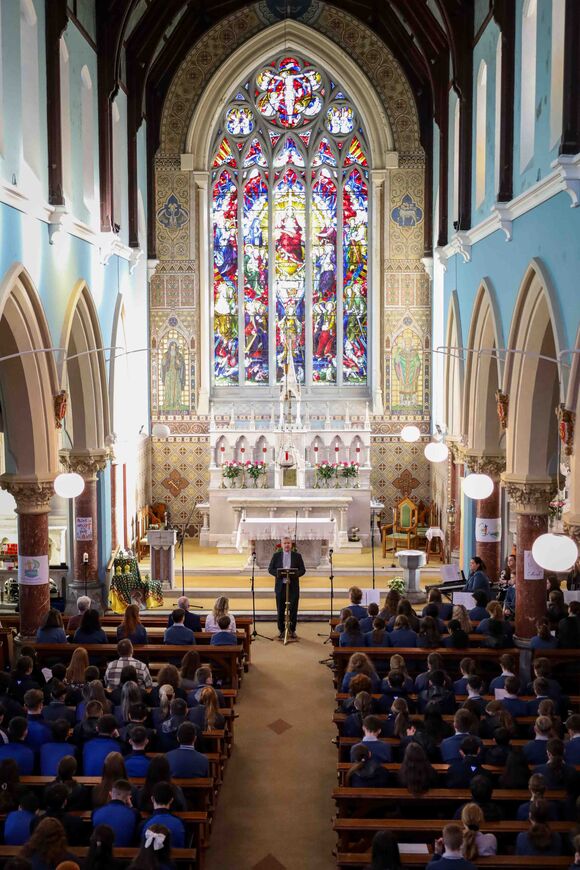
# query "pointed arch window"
(289, 214)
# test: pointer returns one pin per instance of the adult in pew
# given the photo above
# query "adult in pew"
(96, 750)
(48, 846)
(443, 610)
(131, 627)
(416, 773)
(203, 678)
(447, 851)
(288, 559)
(119, 813)
(56, 748)
(155, 851)
(178, 633)
(159, 771)
(86, 729)
(543, 638)
(365, 771)
(352, 635)
(385, 852)
(477, 578)
(55, 807)
(359, 663)
(469, 764)
(516, 772)
(79, 796)
(189, 665)
(354, 604)
(74, 621)
(463, 724)
(536, 750)
(539, 839)
(572, 745)
(16, 747)
(456, 638)
(353, 724)
(39, 731)
(18, 822)
(476, 844)
(378, 635)
(391, 604)
(162, 815)
(136, 762)
(206, 715)
(220, 608)
(51, 630)
(21, 679)
(367, 622)
(460, 614)
(429, 635)
(537, 789)
(191, 620)
(224, 636)
(402, 634)
(507, 664)
(126, 658)
(186, 761)
(405, 609)
(113, 769)
(371, 729)
(556, 772)
(437, 693)
(57, 708)
(90, 631)
(511, 700)
(481, 788)
(479, 612)
(569, 628)
(100, 854)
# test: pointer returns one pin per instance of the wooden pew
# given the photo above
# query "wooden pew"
(227, 658)
(344, 744)
(124, 854)
(394, 766)
(495, 862)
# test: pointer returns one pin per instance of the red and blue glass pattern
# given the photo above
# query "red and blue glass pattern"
(355, 272)
(289, 272)
(225, 279)
(255, 252)
(323, 248)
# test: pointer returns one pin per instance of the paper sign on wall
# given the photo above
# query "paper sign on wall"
(84, 529)
(488, 530)
(32, 570)
(532, 571)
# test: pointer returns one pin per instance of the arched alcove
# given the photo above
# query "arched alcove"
(84, 372)
(484, 369)
(454, 369)
(27, 382)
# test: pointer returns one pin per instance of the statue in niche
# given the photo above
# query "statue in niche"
(173, 377)
(407, 365)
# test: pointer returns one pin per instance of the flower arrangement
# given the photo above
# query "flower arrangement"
(326, 470)
(349, 470)
(255, 470)
(231, 469)
(398, 584)
(556, 508)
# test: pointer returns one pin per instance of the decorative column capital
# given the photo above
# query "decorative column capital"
(571, 525)
(529, 496)
(86, 463)
(494, 466)
(32, 495)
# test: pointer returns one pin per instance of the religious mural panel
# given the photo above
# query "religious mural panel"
(355, 296)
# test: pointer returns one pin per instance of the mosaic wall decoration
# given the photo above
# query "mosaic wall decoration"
(172, 213)
(399, 470)
(180, 476)
(173, 365)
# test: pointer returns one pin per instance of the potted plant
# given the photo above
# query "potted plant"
(398, 584)
(349, 471)
(325, 471)
(255, 470)
(232, 471)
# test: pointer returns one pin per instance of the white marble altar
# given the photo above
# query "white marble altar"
(314, 536)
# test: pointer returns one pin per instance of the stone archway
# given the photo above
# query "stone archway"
(454, 370)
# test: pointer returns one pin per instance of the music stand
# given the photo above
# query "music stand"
(287, 576)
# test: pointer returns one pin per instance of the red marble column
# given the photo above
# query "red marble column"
(490, 551)
(530, 594)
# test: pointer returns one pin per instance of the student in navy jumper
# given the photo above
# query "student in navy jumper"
(51, 630)
(536, 750)
(434, 663)
(507, 663)
(539, 839)
(355, 606)
(392, 687)
(378, 635)
(57, 708)
(366, 623)
(178, 633)
(366, 771)
(462, 770)
(477, 613)
(56, 748)
(18, 822)
(444, 610)
(119, 814)
(372, 728)
(186, 761)
(137, 763)
(511, 702)
(15, 748)
(537, 787)
(556, 772)
(572, 746)
(131, 627)
(359, 663)
(96, 750)
(352, 635)
(543, 639)
(39, 731)
(223, 637)
(402, 635)
(463, 722)
(162, 815)
(447, 851)
(432, 611)
(416, 772)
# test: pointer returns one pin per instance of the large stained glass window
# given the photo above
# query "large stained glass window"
(290, 211)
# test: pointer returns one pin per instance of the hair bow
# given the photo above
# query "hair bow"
(157, 838)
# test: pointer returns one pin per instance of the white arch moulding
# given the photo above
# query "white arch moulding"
(454, 369)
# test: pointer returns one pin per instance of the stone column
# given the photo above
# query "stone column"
(86, 530)
(490, 509)
(530, 500)
(32, 506)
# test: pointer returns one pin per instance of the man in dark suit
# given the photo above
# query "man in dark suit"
(287, 558)
(191, 620)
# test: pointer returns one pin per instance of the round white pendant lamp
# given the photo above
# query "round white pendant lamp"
(160, 430)
(477, 486)
(554, 552)
(436, 451)
(410, 434)
(68, 485)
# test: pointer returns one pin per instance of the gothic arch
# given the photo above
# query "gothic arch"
(484, 369)
(84, 372)
(533, 380)
(454, 369)
(29, 382)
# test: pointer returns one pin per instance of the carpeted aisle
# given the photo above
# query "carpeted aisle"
(275, 806)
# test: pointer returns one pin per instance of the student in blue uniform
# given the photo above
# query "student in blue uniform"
(16, 747)
(355, 606)
(447, 852)
(18, 822)
(539, 839)
(119, 814)
(536, 750)
(224, 636)
(186, 761)
(178, 633)
(477, 613)
(56, 748)
(372, 729)
(162, 815)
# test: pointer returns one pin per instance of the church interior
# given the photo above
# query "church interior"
(289, 326)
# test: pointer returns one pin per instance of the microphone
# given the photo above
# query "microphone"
(330, 552)
(253, 554)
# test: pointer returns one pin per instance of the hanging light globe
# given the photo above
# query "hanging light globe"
(68, 485)
(436, 451)
(410, 434)
(554, 552)
(160, 430)
(477, 486)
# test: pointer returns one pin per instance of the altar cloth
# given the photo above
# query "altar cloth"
(275, 528)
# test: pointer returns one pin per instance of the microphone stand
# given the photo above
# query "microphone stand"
(331, 578)
(181, 535)
(255, 633)
(373, 542)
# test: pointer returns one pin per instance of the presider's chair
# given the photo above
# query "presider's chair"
(403, 530)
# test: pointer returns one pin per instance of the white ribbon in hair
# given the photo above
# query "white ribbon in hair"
(157, 838)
